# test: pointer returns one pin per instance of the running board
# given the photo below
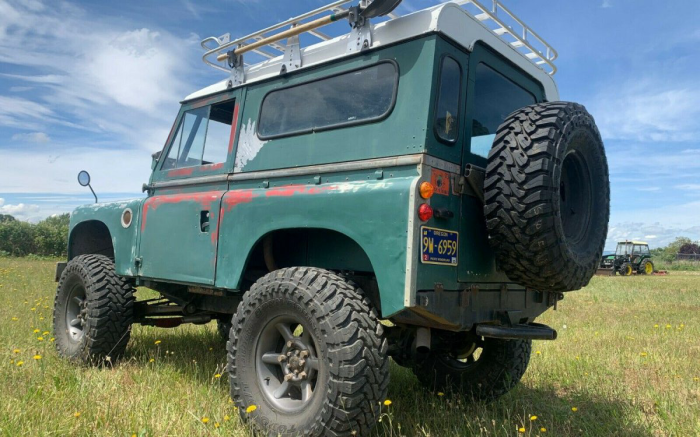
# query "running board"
(532, 331)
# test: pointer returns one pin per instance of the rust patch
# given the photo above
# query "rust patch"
(205, 199)
(441, 181)
(187, 171)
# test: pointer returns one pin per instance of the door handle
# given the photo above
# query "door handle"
(204, 221)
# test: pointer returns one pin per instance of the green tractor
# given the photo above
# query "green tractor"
(629, 257)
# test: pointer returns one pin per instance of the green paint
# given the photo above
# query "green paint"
(208, 234)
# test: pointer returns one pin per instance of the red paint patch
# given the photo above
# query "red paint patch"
(233, 198)
(205, 199)
(181, 172)
(234, 124)
(291, 190)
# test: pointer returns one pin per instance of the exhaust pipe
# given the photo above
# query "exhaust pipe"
(531, 331)
(423, 340)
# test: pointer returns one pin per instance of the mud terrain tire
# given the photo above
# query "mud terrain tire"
(547, 196)
(492, 374)
(100, 306)
(348, 349)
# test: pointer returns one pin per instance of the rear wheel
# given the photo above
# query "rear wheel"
(647, 267)
(307, 349)
(547, 196)
(93, 311)
(490, 369)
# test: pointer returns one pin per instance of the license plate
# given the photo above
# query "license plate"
(438, 246)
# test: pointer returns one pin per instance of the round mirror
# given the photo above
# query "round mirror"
(84, 178)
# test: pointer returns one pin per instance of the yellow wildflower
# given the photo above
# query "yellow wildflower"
(227, 418)
(538, 352)
(218, 375)
(441, 393)
(45, 333)
(37, 357)
(157, 342)
(387, 402)
(52, 339)
(16, 351)
(19, 363)
(33, 309)
(205, 420)
(574, 409)
(656, 326)
(36, 331)
(251, 408)
(40, 338)
(151, 360)
(533, 418)
(543, 429)
(668, 326)
(521, 429)
(76, 414)
(643, 354)
(14, 319)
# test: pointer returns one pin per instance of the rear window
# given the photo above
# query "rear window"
(354, 97)
(495, 97)
(447, 110)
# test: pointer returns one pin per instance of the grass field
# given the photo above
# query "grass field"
(627, 362)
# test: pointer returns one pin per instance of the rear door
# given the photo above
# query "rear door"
(180, 218)
(495, 89)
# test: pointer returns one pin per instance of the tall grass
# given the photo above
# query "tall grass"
(627, 359)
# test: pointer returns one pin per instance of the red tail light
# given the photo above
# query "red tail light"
(425, 212)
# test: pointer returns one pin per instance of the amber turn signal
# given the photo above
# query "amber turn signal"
(426, 190)
(425, 212)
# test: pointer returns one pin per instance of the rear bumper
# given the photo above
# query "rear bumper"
(460, 310)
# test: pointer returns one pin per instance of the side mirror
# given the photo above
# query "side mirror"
(84, 180)
(155, 158)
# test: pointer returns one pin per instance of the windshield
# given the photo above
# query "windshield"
(623, 249)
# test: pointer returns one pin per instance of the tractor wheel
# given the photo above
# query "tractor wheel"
(93, 311)
(307, 349)
(491, 369)
(646, 267)
(547, 196)
(626, 269)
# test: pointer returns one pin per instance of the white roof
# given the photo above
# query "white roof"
(448, 19)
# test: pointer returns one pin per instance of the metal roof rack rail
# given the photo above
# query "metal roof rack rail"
(522, 38)
(267, 43)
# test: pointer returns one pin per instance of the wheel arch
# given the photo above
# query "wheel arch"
(301, 246)
(90, 237)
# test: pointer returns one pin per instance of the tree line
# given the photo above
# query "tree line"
(49, 237)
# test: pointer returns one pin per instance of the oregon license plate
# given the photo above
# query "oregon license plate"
(438, 246)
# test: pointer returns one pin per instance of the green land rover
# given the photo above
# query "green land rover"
(412, 189)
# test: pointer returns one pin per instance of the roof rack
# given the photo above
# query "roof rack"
(267, 44)
(522, 37)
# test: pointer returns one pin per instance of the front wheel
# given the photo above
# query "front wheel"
(93, 311)
(308, 351)
(488, 370)
(626, 269)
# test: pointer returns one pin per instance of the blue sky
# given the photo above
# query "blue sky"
(96, 85)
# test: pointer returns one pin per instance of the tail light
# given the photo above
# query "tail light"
(426, 190)
(425, 212)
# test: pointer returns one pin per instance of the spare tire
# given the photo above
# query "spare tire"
(547, 196)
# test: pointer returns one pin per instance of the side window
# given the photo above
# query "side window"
(447, 108)
(495, 97)
(350, 98)
(202, 137)
(645, 250)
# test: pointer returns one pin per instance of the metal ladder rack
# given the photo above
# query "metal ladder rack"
(521, 38)
(268, 44)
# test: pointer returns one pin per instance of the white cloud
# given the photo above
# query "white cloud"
(688, 187)
(32, 137)
(104, 76)
(649, 111)
(606, 4)
(20, 211)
